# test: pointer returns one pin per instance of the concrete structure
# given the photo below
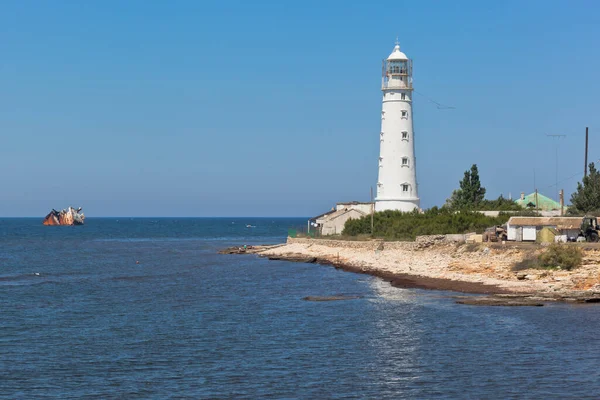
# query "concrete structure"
(355, 205)
(527, 229)
(333, 221)
(397, 182)
(553, 213)
(333, 224)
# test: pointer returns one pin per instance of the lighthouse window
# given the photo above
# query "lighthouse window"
(404, 161)
(404, 114)
(403, 96)
(405, 135)
(405, 187)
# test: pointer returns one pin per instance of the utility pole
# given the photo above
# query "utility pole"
(562, 202)
(372, 210)
(557, 137)
(586, 152)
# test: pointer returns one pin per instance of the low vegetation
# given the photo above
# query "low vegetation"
(555, 256)
(396, 225)
(560, 255)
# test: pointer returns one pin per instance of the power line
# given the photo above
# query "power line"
(439, 106)
(564, 180)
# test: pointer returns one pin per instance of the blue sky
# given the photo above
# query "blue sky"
(272, 108)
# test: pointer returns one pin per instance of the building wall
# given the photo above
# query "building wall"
(393, 173)
(529, 233)
(335, 225)
(511, 232)
(526, 233)
(519, 233)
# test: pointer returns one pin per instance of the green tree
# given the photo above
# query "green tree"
(471, 193)
(500, 204)
(587, 196)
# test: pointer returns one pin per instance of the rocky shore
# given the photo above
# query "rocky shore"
(434, 263)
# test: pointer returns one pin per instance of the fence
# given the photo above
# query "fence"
(303, 232)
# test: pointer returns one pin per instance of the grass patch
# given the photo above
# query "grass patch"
(555, 256)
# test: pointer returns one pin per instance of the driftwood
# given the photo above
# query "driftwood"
(69, 216)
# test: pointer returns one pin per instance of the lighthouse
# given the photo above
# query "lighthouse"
(397, 181)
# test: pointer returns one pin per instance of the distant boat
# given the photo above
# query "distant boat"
(250, 226)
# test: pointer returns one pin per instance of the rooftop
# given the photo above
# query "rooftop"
(543, 202)
(397, 54)
(559, 222)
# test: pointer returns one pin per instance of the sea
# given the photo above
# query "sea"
(145, 308)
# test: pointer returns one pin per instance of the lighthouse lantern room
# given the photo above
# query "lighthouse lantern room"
(397, 182)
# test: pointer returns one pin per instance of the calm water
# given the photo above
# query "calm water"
(79, 318)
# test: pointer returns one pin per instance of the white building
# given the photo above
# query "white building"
(332, 222)
(397, 183)
(364, 207)
(527, 229)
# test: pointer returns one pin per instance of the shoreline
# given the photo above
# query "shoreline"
(407, 281)
(487, 269)
(400, 280)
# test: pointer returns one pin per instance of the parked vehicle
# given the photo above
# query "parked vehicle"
(589, 229)
(495, 234)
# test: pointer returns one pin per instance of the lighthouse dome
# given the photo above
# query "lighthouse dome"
(397, 54)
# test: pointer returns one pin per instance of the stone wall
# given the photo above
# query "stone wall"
(347, 244)
(378, 244)
(398, 245)
(356, 244)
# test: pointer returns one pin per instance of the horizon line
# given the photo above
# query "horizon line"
(154, 216)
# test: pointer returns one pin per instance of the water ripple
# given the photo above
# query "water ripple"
(147, 309)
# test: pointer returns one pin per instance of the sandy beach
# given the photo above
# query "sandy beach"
(435, 264)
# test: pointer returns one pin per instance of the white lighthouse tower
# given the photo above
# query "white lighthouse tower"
(397, 183)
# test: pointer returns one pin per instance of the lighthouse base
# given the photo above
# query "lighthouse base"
(404, 205)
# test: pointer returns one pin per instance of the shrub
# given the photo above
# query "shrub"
(529, 262)
(398, 225)
(560, 255)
